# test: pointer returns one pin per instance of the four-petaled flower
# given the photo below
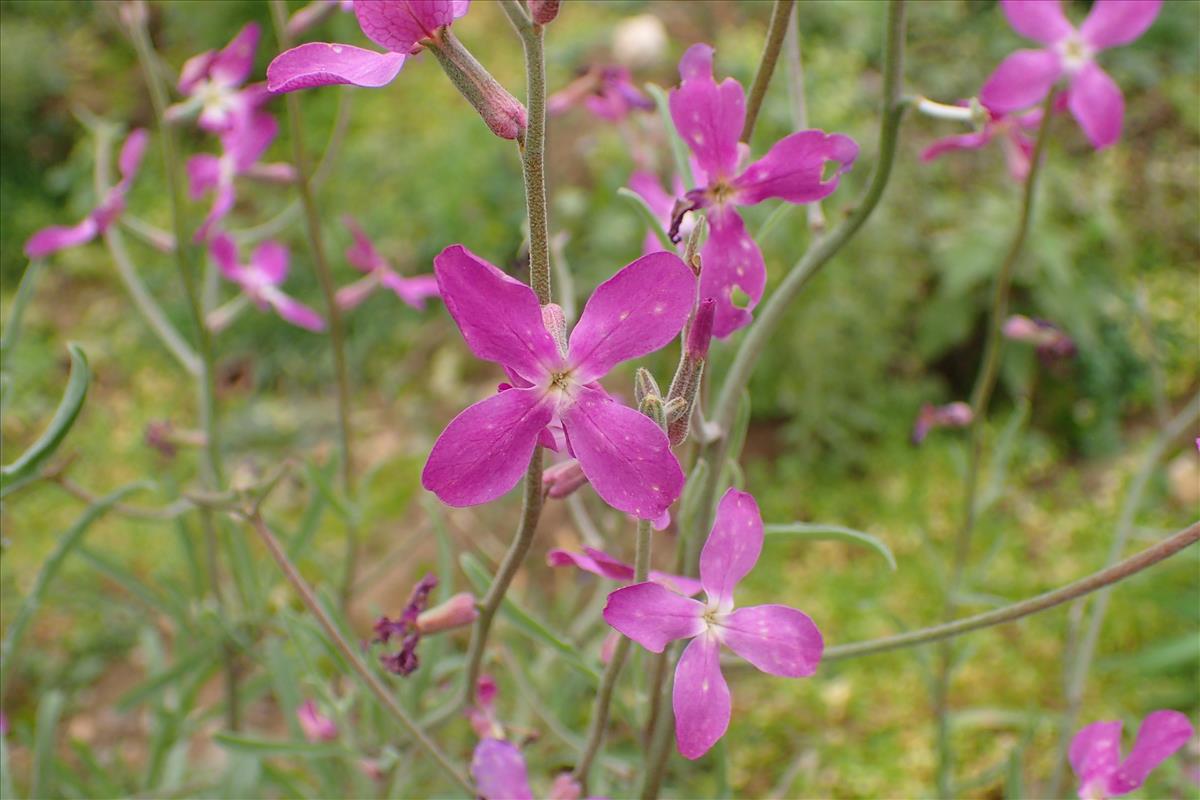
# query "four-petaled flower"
(59, 237)
(607, 92)
(1096, 753)
(212, 81)
(260, 279)
(1011, 130)
(1026, 76)
(709, 118)
(363, 255)
(484, 451)
(777, 639)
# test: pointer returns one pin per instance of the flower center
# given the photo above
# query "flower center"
(1074, 53)
(721, 192)
(561, 381)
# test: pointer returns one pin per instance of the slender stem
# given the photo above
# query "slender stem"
(985, 384)
(1078, 667)
(170, 511)
(351, 654)
(228, 650)
(795, 74)
(599, 723)
(658, 750)
(766, 67)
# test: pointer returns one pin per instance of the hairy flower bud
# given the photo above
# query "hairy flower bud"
(562, 479)
(644, 385)
(456, 612)
(543, 11)
(501, 112)
(686, 383)
(654, 408)
(701, 330)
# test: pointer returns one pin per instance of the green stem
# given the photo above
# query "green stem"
(599, 723)
(981, 394)
(795, 74)
(780, 14)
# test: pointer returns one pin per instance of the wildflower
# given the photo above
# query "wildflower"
(777, 639)
(600, 563)
(1010, 129)
(1050, 341)
(1026, 76)
(260, 279)
(406, 627)
(60, 237)
(212, 82)
(363, 255)
(608, 92)
(482, 715)
(316, 726)
(709, 117)
(951, 415)
(456, 612)
(484, 451)
(1096, 753)
(498, 769)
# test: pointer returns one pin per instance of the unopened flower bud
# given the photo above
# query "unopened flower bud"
(654, 408)
(1050, 341)
(316, 726)
(565, 787)
(686, 384)
(676, 409)
(456, 612)
(543, 11)
(562, 479)
(644, 385)
(501, 112)
(953, 415)
(701, 330)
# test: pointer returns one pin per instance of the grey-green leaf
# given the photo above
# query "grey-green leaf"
(837, 533)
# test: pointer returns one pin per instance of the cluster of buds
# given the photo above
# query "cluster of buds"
(415, 621)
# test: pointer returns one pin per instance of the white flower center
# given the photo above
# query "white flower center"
(1075, 53)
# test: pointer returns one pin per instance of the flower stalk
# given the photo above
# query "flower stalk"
(780, 14)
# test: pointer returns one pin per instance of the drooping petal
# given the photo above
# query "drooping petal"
(776, 639)
(966, 141)
(60, 237)
(233, 64)
(399, 25)
(600, 563)
(708, 115)
(292, 309)
(733, 546)
(791, 170)
(635, 312)
(484, 451)
(362, 254)
(271, 260)
(1095, 752)
(624, 454)
(498, 769)
(730, 258)
(653, 616)
(246, 142)
(223, 202)
(700, 698)
(1160, 735)
(1040, 20)
(224, 252)
(325, 64)
(499, 316)
(1022, 79)
(1096, 103)
(130, 158)
(1117, 22)
(413, 291)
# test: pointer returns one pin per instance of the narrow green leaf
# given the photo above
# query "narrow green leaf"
(320, 482)
(683, 167)
(26, 467)
(132, 584)
(643, 208)
(198, 660)
(16, 314)
(265, 748)
(49, 710)
(837, 533)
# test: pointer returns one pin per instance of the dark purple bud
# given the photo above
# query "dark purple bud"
(700, 332)
(406, 628)
(543, 11)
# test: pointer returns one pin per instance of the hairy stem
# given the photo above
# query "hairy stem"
(599, 723)
(351, 654)
(981, 394)
(780, 14)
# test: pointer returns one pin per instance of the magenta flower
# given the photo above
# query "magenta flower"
(60, 237)
(460, 610)
(600, 563)
(212, 83)
(1050, 341)
(709, 118)
(498, 770)
(777, 639)
(1096, 753)
(1011, 130)
(363, 255)
(406, 628)
(260, 279)
(484, 451)
(1026, 76)
(607, 92)
(952, 415)
(316, 726)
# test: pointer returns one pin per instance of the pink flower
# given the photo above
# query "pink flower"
(1049, 340)
(777, 639)
(498, 770)
(212, 81)
(59, 237)
(482, 715)
(1009, 129)
(260, 279)
(709, 118)
(1096, 753)
(607, 92)
(458, 611)
(363, 255)
(1026, 76)
(600, 563)
(951, 415)
(484, 451)
(316, 726)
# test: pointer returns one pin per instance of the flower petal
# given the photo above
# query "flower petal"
(292, 309)
(653, 616)
(777, 639)
(362, 254)
(485, 450)
(233, 64)
(1040, 20)
(1096, 103)
(1022, 79)
(499, 316)
(413, 291)
(224, 252)
(325, 64)
(708, 115)
(733, 546)
(498, 769)
(271, 260)
(203, 174)
(730, 258)
(223, 202)
(60, 237)
(966, 141)
(624, 454)
(700, 698)
(600, 563)
(1095, 752)
(647, 186)
(399, 25)
(353, 294)
(635, 312)
(246, 142)
(1160, 735)
(130, 158)
(791, 169)
(1116, 22)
